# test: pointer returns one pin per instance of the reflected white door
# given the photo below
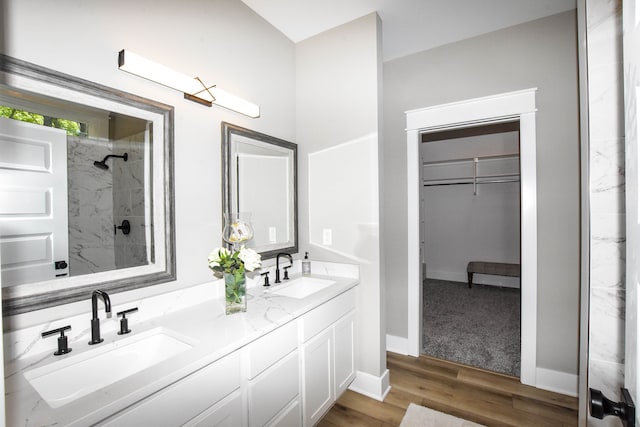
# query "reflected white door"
(33, 202)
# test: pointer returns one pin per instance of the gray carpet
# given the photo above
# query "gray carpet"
(478, 326)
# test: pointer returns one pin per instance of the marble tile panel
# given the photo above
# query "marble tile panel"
(77, 265)
(606, 324)
(604, 24)
(96, 202)
(137, 202)
(608, 226)
(121, 202)
(605, 100)
(607, 169)
(120, 255)
(608, 202)
(100, 258)
(133, 176)
(137, 149)
(136, 255)
(85, 232)
(607, 263)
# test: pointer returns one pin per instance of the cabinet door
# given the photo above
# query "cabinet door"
(344, 357)
(226, 413)
(273, 390)
(318, 389)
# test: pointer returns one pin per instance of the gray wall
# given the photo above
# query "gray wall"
(538, 54)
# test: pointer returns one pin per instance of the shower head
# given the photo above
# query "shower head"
(100, 165)
(103, 165)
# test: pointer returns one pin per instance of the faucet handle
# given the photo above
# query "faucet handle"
(266, 278)
(124, 322)
(286, 272)
(63, 344)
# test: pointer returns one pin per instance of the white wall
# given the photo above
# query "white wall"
(538, 54)
(222, 41)
(338, 98)
(321, 94)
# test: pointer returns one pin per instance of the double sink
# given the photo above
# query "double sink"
(75, 376)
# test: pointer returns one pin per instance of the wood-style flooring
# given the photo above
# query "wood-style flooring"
(470, 393)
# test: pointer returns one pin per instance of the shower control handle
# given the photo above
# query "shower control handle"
(125, 227)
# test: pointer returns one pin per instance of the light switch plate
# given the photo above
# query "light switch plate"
(326, 236)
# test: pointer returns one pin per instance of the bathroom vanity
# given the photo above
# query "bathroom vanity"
(282, 363)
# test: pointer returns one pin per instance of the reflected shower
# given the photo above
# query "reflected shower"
(103, 164)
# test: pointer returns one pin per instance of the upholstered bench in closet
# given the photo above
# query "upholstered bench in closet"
(493, 268)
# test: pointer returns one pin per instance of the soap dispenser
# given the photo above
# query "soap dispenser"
(306, 264)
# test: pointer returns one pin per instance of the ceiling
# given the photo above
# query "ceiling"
(408, 26)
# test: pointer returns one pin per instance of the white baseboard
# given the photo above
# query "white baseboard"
(371, 386)
(480, 279)
(556, 381)
(397, 344)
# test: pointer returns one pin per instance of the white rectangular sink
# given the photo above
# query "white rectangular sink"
(75, 376)
(302, 287)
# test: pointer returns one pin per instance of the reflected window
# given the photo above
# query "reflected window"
(70, 126)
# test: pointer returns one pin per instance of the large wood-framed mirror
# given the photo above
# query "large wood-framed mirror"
(259, 177)
(86, 188)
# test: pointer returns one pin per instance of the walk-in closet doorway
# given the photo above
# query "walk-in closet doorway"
(504, 107)
(470, 245)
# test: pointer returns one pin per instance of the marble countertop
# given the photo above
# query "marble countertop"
(213, 334)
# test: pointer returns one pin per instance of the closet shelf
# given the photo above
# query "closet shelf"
(477, 170)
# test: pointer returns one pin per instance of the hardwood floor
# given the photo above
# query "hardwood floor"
(473, 394)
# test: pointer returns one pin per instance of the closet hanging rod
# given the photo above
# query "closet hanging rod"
(493, 181)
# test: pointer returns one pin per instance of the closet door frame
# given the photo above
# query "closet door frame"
(511, 106)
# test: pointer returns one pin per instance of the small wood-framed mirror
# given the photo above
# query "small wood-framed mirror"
(259, 176)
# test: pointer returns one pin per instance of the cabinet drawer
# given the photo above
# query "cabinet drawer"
(322, 317)
(271, 391)
(290, 417)
(226, 413)
(267, 350)
(183, 400)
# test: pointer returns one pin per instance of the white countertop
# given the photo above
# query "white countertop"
(213, 333)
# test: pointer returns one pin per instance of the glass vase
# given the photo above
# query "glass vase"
(235, 292)
(237, 229)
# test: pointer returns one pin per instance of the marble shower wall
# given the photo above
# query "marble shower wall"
(607, 206)
(129, 202)
(91, 242)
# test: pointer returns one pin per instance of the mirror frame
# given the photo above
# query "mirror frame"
(31, 301)
(228, 130)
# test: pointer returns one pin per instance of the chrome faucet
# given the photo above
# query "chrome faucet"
(95, 321)
(278, 265)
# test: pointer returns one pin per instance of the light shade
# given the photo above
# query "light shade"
(192, 87)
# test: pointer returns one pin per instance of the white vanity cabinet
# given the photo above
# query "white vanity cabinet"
(195, 396)
(328, 359)
(273, 368)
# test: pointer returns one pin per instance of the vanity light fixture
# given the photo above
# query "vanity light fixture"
(192, 87)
